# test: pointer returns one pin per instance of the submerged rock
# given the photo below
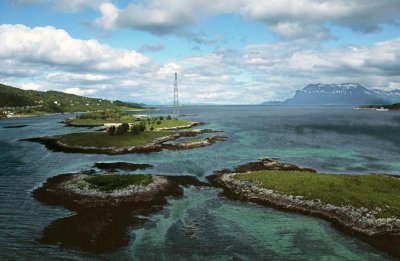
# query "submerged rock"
(103, 217)
(382, 233)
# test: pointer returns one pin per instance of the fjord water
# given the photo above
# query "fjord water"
(201, 225)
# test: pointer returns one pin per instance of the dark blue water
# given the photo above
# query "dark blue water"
(329, 139)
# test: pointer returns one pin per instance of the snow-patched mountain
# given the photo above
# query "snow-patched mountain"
(340, 94)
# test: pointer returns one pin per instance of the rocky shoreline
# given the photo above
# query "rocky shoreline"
(383, 233)
(102, 218)
(54, 143)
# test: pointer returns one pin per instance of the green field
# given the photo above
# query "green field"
(99, 122)
(114, 181)
(102, 139)
(167, 123)
(369, 191)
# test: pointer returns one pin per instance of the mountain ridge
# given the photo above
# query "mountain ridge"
(339, 94)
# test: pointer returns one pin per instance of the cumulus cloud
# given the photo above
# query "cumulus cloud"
(56, 48)
(298, 19)
(48, 58)
(291, 19)
(291, 67)
(78, 91)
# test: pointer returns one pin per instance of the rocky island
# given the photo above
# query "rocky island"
(149, 134)
(105, 206)
(149, 141)
(364, 205)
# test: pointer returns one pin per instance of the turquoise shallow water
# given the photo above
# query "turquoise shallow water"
(201, 225)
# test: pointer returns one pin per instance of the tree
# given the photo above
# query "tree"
(161, 118)
(125, 127)
(111, 130)
(169, 117)
(151, 128)
(142, 126)
(158, 122)
(135, 129)
(121, 130)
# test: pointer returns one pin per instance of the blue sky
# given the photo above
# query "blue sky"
(225, 52)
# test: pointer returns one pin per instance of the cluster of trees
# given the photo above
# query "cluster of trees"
(138, 128)
(135, 129)
(103, 115)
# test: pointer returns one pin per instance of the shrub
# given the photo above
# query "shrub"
(142, 126)
(121, 130)
(151, 128)
(111, 130)
(169, 117)
(161, 118)
(125, 126)
(135, 129)
(158, 122)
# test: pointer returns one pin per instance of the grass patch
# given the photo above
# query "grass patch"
(102, 139)
(369, 191)
(114, 181)
(131, 118)
(97, 122)
(166, 123)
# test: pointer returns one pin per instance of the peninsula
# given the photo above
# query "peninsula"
(15, 102)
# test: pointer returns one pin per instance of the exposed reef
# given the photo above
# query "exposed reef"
(382, 233)
(103, 217)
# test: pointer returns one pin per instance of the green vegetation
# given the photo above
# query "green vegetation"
(392, 107)
(159, 124)
(102, 139)
(136, 129)
(114, 181)
(369, 191)
(32, 103)
(102, 117)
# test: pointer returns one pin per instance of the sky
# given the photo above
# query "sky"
(224, 51)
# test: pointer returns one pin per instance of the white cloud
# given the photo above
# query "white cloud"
(48, 58)
(30, 86)
(291, 19)
(79, 91)
(56, 48)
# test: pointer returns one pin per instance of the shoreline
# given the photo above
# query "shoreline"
(382, 233)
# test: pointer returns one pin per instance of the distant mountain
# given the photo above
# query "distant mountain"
(339, 94)
(26, 101)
